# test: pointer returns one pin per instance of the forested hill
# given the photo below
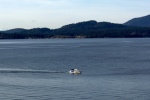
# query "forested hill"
(87, 29)
(140, 21)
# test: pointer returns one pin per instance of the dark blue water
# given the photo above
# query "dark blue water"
(113, 69)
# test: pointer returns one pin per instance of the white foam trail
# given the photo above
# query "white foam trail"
(27, 71)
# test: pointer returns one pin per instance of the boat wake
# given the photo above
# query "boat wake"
(28, 71)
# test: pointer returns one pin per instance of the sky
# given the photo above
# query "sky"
(56, 13)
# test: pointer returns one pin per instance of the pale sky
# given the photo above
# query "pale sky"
(56, 13)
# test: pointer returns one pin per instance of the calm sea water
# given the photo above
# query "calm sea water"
(113, 69)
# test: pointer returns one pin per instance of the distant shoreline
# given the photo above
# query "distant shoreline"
(73, 38)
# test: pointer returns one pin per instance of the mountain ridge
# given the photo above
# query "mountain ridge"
(85, 29)
(143, 21)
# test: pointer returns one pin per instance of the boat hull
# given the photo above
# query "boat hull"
(75, 71)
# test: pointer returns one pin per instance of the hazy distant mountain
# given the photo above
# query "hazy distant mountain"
(140, 21)
(38, 30)
(16, 30)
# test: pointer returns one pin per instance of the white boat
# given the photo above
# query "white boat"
(75, 71)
